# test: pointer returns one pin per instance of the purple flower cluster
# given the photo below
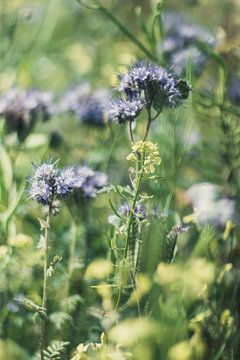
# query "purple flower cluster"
(139, 210)
(122, 110)
(89, 182)
(50, 183)
(86, 104)
(22, 108)
(181, 43)
(146, 84)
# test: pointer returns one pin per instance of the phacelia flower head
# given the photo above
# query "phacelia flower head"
(73, 98)
(91, 112)
(22, 108)
(122, 111)
(89, 182)
(181, 43)
(154, 84)
(87, 105)
(49, 183)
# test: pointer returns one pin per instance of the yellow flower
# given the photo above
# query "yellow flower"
(147, 154)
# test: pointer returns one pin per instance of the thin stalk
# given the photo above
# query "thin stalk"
(44, 295)
(126, 32)
(129, 225)
(131, 132)
(148, 124)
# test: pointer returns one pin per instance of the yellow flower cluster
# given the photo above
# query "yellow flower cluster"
(147, 153)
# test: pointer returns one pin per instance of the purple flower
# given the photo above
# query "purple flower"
(50, 183)
(22, 108)
(65, 182)
(155, 84)
(139, 210)
(91, 111)
(181, 43)
(88, 182)
(86, 104)
(41, 192)
(122, 111)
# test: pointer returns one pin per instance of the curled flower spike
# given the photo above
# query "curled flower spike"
(122, 110)
(50, 183)
(159, 87)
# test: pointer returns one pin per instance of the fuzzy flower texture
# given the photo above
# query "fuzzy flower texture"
(146, 85)
(50, 183)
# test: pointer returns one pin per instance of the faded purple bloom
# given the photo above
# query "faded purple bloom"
(86, 104)
(22, 108)
(139, 210)
(91, 111)
(72, 99)
(181, 43)
(89, 182)
(209, 204)
(122, 110)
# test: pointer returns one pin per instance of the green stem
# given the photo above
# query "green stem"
(148, 124)
(126, 32)
(131, 132)
(129, 225)
(44, 295)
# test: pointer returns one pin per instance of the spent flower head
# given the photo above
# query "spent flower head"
(147, 154)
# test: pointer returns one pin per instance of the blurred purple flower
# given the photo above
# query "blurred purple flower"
(209, 204)
(22, 108)
(89, 182)
(181, 43)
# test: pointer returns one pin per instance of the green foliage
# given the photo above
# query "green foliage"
(56, 350)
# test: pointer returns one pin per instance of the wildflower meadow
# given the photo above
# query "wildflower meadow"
(120, 180)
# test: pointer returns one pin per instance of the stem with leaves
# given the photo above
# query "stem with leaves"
(139, 172)
(121, 27)
(46, 226)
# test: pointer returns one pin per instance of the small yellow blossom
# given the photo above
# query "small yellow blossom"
(146, 153)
